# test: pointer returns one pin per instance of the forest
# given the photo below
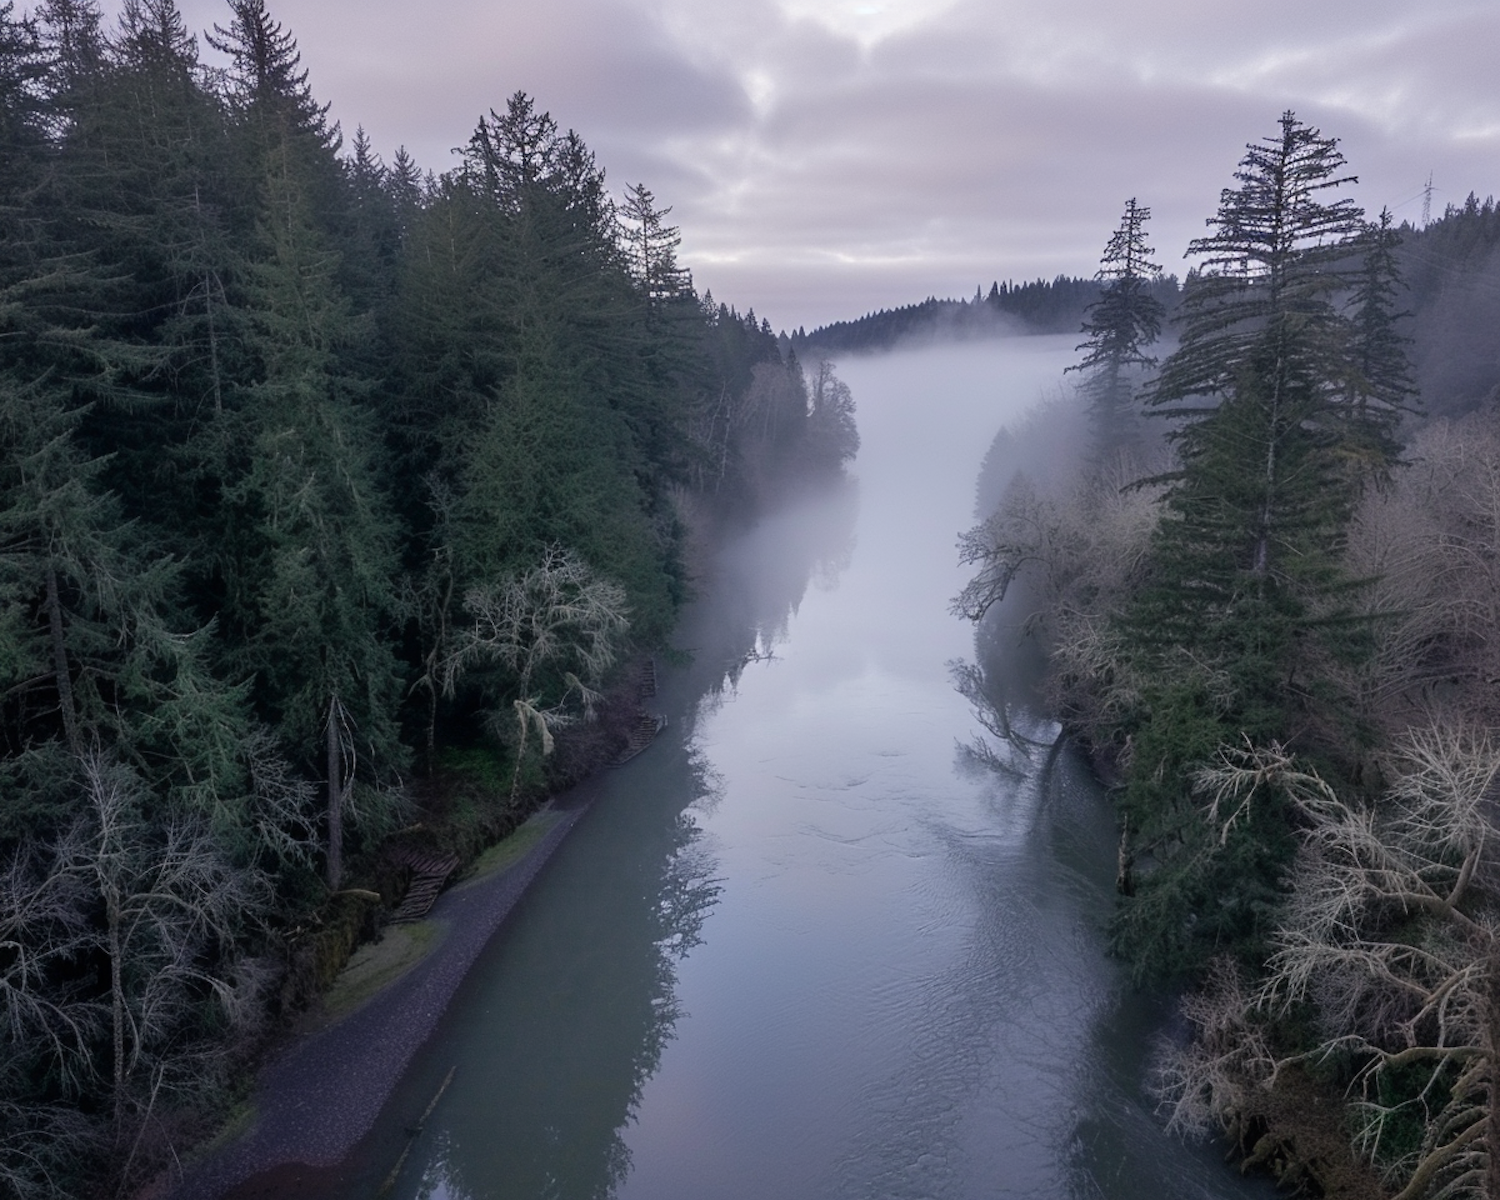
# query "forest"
(1268, 589)
(336, 496)
(1036, 306)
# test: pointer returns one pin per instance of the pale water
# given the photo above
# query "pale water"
(807, 945)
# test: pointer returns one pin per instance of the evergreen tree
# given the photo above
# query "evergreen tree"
(1243, 570)
(23, 107)
(1381, 386)
(1271, 269)
(308, 558)
(93, 652)
(675, 371)
(651, 249)
(266, 77)
(72, 35)
(1121, 324)
(275, 113)
(145, 171)
(371, 241)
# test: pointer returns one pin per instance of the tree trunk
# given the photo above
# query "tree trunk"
(335, 865)
(65, 702)
(117, 1011)
(1492, 1100)
(1125, 864)
(515, 776)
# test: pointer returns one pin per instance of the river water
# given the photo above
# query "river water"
(808, 944)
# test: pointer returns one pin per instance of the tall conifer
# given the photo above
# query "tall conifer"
(1243, 570)
(1121, 324)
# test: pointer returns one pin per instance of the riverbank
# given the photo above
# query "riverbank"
(321, 1094)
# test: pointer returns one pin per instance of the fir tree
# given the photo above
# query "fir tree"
(1380, 382)
(1244, 570)
(309, 554)
(1121, 324)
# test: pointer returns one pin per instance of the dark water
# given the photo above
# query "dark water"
(807, 945)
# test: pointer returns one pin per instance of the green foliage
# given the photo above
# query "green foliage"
(265, 417)
(1205, 885)
(275, 430)
(1244, 578)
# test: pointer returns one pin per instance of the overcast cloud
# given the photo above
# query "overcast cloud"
(829, 157)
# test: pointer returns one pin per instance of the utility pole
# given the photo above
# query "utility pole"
(1427, 202)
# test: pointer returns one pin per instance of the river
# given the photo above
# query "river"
(807, 945)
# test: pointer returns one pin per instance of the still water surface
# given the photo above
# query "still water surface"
(807, 945)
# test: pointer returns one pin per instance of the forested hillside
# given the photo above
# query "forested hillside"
(1269, 590)
(316, 474)
(1452, 273)
(1038, 306)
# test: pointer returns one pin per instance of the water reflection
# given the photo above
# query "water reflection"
(551, 1065)
(760, 581)
(792, 951)
(566, 1017)
(1092, 1060)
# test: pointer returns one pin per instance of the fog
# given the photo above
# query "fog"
(807, 945)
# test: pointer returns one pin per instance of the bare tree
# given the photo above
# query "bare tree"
(557, 619)
(1211, 1083)
(1077, 546)
(49, 1020)
(1392, 934)
(172, 906)
(1428, 549)
(158, 904)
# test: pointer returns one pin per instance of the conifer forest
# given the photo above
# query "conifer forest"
(1268, 594)
(346, 504)
(322, 480)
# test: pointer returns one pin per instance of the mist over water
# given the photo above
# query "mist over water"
(806, 946)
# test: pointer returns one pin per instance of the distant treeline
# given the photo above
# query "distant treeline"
(1452, 274)
(1039, 306)
(1451, 293)
(316, 473)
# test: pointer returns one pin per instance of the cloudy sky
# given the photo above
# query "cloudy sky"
(828, 157)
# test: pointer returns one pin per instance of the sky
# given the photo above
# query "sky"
(827, 158)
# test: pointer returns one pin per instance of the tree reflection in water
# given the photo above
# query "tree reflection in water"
(567, 1015)
(575, 1013)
